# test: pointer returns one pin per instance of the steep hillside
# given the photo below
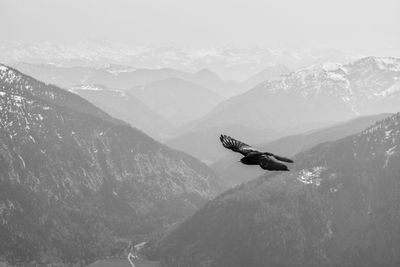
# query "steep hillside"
(124, 106)
(233, 173)
(74, 181)
(340, 206)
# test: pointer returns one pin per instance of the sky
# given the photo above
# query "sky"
(356, 24)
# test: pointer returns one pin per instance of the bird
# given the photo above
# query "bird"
(252, 156)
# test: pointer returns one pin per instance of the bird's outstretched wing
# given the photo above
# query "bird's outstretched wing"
(235, 145)
(268, 163)
(280, 158)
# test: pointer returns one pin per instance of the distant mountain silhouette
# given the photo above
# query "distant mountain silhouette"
(177, 100)
(76, 184)
(339, 207)
(269, 73)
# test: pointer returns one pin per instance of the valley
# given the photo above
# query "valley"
(94, 158)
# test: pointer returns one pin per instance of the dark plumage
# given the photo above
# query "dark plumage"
(252, 156)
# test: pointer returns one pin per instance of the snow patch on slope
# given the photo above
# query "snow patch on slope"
(389, 153)
(311, 176)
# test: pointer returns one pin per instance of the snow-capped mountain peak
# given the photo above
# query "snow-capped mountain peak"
(381, 63)
(363, 80)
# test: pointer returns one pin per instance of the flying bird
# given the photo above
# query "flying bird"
(252, 156)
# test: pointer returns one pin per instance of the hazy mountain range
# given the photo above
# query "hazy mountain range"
(339, 206)
(321, 93)
(75, 182)
(124, 77)
(168, 92)
(300, 101)
(231, 63)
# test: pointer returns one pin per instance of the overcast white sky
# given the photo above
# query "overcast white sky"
(364, 24)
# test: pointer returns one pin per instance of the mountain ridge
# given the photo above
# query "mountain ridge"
(77, 184)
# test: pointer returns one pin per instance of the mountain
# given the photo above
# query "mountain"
(207, 76)
(317, 94)
(205, 144)
(64, 77)
(211, 80)
(231, 63)
(112, 76)
(77, 184)
(339, 206)
(233, 173)
(129, 79)
(126, 107)
(126, 77)
(269, 73)
(177, 100)
(206, 147)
